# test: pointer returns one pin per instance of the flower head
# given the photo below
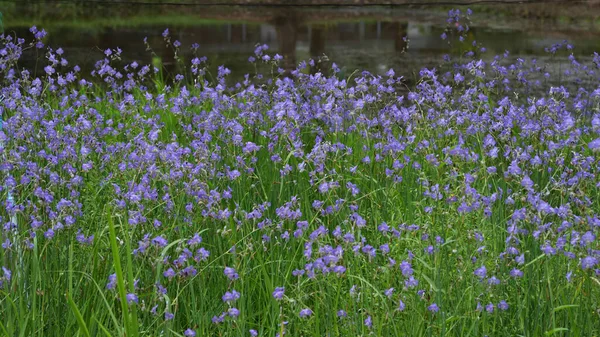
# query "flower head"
(305, 313)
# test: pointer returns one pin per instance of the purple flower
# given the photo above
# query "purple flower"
(406, 268)
(132, 298)
(7, 274)
(589, 262)
(502, 305)
(231, 273)
(169, 273)
(411, 282)
(305, 313)
(112, 281)
(520, 259)
(160, 241)
(233, 312)
(481, 272)
(219, 319)
(594, 144)
(189, 333)
(516, 273)
(49, 70)
(527, 183)
(278, 293)
(433, 308)
(569, 276)
(401, 306)
(231, 296)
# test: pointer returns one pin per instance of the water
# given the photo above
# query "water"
(371, 38)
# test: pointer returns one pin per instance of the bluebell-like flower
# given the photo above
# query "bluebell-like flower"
(481, 272)
(589, 262)
(278, 293)
(305, 313)
(132, 298)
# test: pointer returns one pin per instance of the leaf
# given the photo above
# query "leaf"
(566, 306)
(120, 277)
(425, 264)
(555, 330)
(102, 327)
(82, 326)
(534, 260)
(432, 284)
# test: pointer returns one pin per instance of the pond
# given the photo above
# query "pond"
(405, 38)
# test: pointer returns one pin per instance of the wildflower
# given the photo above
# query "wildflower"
(411, 282)
(231, 273)
(233, 312)
(7, 274)
(493, 281)
(132, 298)
(305, 312)
(527, 183)
(219, 319)
(278, 293)
(594, 144)
(516, 273)
(160, 241)
(569, 276)
(231, 296)
(481, 272)
(112, 281)
(169, 273)
(406, 268)
(520, 259)
(433, 308)
(589, 262)
(189, 333)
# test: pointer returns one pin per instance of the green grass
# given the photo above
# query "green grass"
(60, 289)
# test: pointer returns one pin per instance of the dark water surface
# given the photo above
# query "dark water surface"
(366, 38)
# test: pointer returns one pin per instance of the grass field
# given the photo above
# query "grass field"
(298, 203)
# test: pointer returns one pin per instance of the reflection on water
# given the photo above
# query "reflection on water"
(370, 38)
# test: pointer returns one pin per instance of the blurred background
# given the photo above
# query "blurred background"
(361, 34)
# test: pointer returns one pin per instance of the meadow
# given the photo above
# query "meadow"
(297, 202)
